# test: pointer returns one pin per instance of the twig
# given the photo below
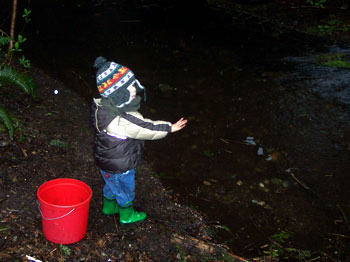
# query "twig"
(21, 148)
(11, 210)
(275, 243)
(340, 235)
(313, 259)
(228, 141)
(225, 140)
(199, 198)
(344, 216)
(299, 181)
(329, 257)
(116, 225)
(3, 32)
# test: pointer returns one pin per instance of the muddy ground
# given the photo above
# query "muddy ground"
(172, 232)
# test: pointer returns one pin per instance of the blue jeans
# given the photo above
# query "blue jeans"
(120, 186)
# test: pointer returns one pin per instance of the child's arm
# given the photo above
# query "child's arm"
(133, 125)
(178, 125)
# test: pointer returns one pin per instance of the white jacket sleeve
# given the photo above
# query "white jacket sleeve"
(133, 125)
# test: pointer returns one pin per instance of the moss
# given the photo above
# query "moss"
(336, 60)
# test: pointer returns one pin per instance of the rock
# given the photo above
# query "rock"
(207, 183)
(276, 181)
(285, 184)
(259, 203)
(4, 143)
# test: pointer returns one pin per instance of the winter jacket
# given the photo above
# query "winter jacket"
(119, 140)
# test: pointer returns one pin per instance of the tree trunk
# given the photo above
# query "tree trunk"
(12, 32)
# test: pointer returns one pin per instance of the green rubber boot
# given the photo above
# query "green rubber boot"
(128, 215)
(110, 206)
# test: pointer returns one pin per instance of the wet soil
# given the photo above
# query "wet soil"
(207, 184)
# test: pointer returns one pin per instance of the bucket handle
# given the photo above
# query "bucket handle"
(55, 217)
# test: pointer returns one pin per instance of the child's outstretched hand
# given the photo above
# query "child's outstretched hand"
(178, 125)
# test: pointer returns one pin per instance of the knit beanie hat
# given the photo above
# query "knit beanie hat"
(113, 80)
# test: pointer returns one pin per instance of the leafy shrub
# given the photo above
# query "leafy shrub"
(10, 76)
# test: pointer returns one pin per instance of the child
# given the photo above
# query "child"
(120, 134)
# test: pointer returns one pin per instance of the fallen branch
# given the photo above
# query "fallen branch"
(227, 141)
(299, 181)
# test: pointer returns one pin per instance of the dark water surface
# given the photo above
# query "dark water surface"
(267, 144)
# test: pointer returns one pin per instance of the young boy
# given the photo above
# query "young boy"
(120, 134)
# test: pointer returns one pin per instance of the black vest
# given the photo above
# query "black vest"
(113, 155)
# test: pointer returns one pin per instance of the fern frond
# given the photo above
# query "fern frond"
(4, 40)
(8, 121)
(10, 76)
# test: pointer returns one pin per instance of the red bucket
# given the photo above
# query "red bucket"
(64, 207)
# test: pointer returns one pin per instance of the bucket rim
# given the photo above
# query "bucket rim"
(77, 183)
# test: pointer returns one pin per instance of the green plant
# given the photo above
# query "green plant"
(17, 48)
(326, 29)
(180, 254)
(277, 249)
(11, 77)
(7, 121)
(336, 60)
(25, 62)
(26, 14)
(4, 40)
(20, 40)
(10, 40)
(328, 26)
(66, 250)
(208, 153)
(318, 3)
(59, 143)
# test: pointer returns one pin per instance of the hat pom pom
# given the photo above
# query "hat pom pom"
(100, 61)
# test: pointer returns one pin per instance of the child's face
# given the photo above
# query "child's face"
(132, 91)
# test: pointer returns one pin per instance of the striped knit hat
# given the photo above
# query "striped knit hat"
(113, 80)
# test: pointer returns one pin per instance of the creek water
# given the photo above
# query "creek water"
(267, 144)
